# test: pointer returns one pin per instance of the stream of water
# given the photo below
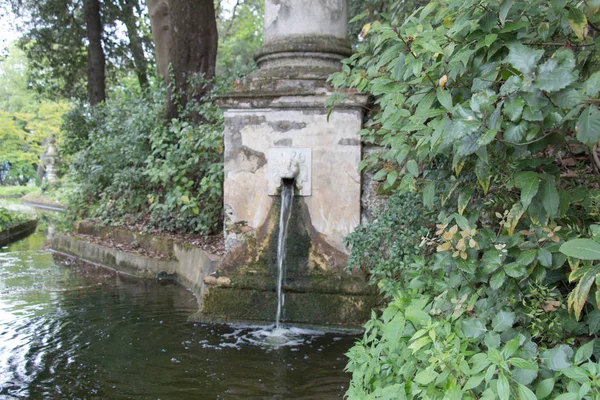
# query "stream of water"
(73, 331)
(287, 196)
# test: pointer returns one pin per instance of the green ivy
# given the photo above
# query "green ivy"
(488, 111)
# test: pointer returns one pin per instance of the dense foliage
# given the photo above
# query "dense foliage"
(487, 110)
(135, 167)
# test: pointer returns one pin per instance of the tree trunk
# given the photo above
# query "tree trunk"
(161, 33)
(95, 53)
(192, 50)
(135, 42)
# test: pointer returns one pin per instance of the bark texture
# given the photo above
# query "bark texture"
(192, 50)
(161, 33)
(96, 62)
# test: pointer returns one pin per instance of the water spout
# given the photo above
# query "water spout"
(287, 195)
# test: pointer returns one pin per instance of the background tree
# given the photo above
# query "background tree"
(58, 33)
(26, 120)
(161, 33)
(96, 62)
(192, 50)
(240, 37)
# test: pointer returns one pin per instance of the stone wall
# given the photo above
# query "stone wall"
(186, 264)
(334, 203)
(17, 231)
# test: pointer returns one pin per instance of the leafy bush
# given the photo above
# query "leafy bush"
(487, 110)
(186, 168)
(129, 165)
(389, 245)
(9, 218)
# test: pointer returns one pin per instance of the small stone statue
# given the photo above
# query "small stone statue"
(50, 160)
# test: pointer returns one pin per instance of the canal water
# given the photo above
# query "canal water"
(73, 331)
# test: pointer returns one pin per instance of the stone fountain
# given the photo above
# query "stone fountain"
(278, 129)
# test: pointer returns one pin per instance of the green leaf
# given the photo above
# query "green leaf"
(463, 200)
(594, 322)
(486, 138)
(523, 364)
(497, 280)
(577, 374)
(399, 67)
(429, 194)
(592, 85)
(550, 198)
(492, 340)
(489, 39)
(445, 98)
(474, 381)
(514, 215)
(503, 387)
(514, 26)
(543, 30)
(513, 108)
(468, 145)
(544, 388)
(557, 73)
(515, 270)
(557, 358)
(515, 133)
(461, 221)
(417, 316)
(484, 179)
(585, 249)
(567, 98)
(382, 173)
(523, 58)
(526, 257)
(504, 9)
(525, 393)
(503, 320)
(412, 168)
(473, 328)
(529, 183)
(479, 362)
(578, 297)
(588, 126)
(511, 347)
(394, 328)
(584, 352)
(393, 392)
(544, 257)
(426, 376)
(419, 343)
(490, 373)
(568, 396)
(391, 178)
(577, 21)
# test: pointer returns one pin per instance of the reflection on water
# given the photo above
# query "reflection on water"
(72, 331)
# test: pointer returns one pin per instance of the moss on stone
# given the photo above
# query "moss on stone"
(314, 294)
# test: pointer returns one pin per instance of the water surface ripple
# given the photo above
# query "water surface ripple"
(73, 331)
